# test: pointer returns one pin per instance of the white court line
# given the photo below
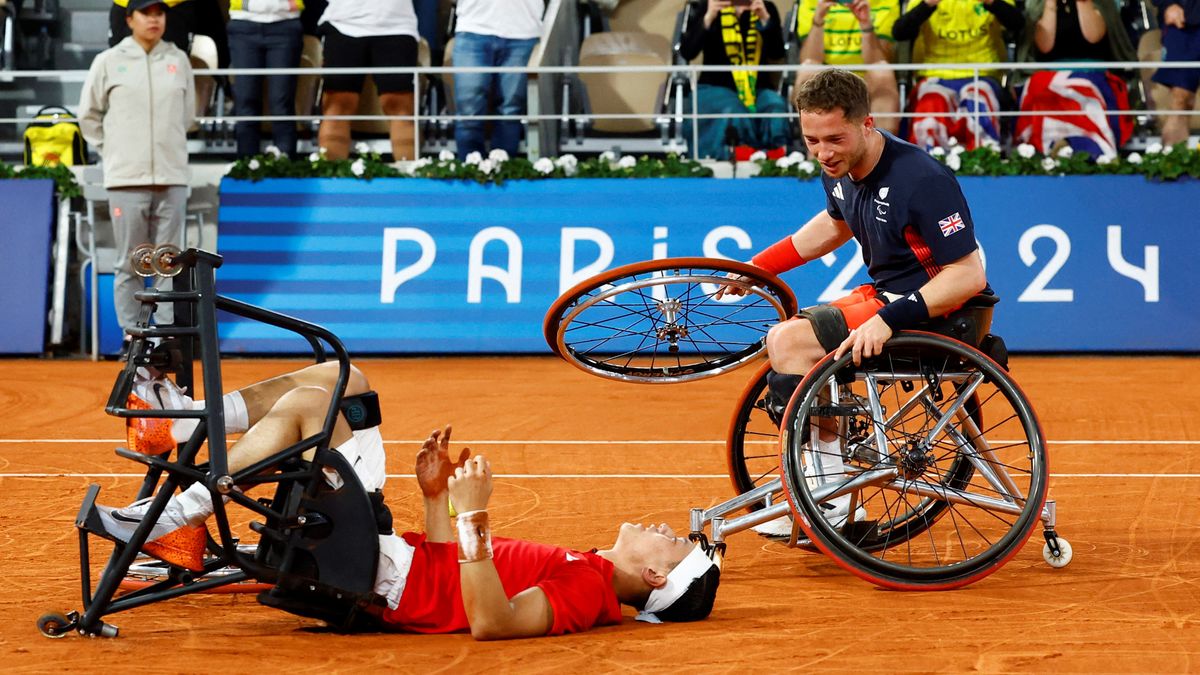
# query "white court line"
(601, 476)
(622, 442)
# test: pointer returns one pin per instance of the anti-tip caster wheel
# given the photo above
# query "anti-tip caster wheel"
(55, 625)
(164, 260)
(1064, 553)
(141, 260)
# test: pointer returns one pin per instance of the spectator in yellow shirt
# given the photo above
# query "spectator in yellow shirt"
(837, 33)
(957, 103)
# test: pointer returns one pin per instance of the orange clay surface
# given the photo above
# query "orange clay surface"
(573, 462)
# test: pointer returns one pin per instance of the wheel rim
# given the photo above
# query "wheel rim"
(982, 518)
(661, 322)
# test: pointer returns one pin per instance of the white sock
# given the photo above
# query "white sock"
(195, 503)
(831, 467)
(237, 419)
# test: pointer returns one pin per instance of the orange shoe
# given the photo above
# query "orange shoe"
(153, 435)
(172, 539)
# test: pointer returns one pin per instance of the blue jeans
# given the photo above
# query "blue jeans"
(265, 45)
(762, 133)
(472, 91)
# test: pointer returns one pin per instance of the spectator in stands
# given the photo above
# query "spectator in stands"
(955, 103)
(1180, 22)
(493, 33)
(367, 34)
(137, 104)
(265, 34)
(185, 18)
(1075, 30)
(838, 33)
(740, 34)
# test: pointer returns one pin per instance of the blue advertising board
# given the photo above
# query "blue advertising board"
(1087, 263)
(25, 258)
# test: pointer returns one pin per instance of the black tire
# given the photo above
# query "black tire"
(659, 321)
(931, 384)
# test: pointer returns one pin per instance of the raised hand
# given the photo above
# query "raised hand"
(433, 466)
(471, 485)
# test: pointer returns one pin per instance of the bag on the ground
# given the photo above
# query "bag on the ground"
(54, 138)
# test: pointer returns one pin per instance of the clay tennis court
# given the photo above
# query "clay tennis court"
(577, 455)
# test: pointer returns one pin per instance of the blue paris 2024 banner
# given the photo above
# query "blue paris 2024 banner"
(1082, 264)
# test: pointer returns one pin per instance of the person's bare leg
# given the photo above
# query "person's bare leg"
(1176, 128)
(402, 131)
(885, 99)
(261, 397)
(334, 135)
(296, 415)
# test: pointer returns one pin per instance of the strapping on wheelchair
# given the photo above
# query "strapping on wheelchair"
(318, 546)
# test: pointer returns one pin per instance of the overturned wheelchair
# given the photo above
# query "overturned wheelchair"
(318, 532)
(938, 467)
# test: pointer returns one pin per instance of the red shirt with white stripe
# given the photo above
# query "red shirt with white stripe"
(577, 584)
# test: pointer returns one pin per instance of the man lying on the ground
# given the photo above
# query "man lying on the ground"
(454, 576)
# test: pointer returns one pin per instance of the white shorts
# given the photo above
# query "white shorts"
(364, 452)
(395, 561)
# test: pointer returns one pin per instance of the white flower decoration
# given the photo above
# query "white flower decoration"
(952, 142)
(473, 158)
(608, 156)
(544, 166)
(322, 151)
(991, 144)
(937, 152)
(1065, 151)
(362, 148)
(1167, 149)
(1048, 164)
(796, 156)
(419, 164)
(957, 150)
(445, 156)
(568, 163)
(807, 166)
(1104, 160)
(1134, 158)
(314, 157)
(254, 165)
(359, 167)
(758, 154)
(487, 166)
(954, 162)
(498, 156)
(274, 151)
(1154, 149)
(1026, 151)
(627, 162)
(784, 162)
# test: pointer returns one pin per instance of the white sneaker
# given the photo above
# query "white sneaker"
(160, 392)
(122, 522)
(835, 515)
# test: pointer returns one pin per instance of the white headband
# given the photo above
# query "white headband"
(692, 567)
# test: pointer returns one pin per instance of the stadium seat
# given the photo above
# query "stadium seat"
(624, 93)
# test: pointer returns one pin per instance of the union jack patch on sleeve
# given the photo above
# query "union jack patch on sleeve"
(951, 225)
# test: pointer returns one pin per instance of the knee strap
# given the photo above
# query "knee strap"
(362, 411)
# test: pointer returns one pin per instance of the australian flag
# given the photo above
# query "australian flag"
(951, 225)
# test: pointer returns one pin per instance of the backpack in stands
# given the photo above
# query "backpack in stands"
(54, 138)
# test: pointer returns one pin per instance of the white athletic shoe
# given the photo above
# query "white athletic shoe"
(160, 391)
(835, 515)
(172, 539)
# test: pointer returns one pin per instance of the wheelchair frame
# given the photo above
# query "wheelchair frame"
(971, 453)
(293, 514)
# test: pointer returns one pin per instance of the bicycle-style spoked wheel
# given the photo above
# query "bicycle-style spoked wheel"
(662, 321)
(752, 446)
(942, 466)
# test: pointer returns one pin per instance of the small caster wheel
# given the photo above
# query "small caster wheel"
(1064, 553)
(164, 260)
(141, 260)
(55, 625)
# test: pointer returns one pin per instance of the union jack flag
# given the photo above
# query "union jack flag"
(951, 225)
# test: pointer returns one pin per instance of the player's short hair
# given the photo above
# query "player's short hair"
(690, 591)
(834, 89)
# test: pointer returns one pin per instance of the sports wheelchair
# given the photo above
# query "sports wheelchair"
(940, 454)
(318, 547)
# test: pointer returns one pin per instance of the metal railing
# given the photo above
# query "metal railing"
(689, 74)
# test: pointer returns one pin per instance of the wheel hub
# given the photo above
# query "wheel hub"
(914, 460)
(670, 331)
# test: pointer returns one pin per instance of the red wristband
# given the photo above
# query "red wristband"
(779, 257)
